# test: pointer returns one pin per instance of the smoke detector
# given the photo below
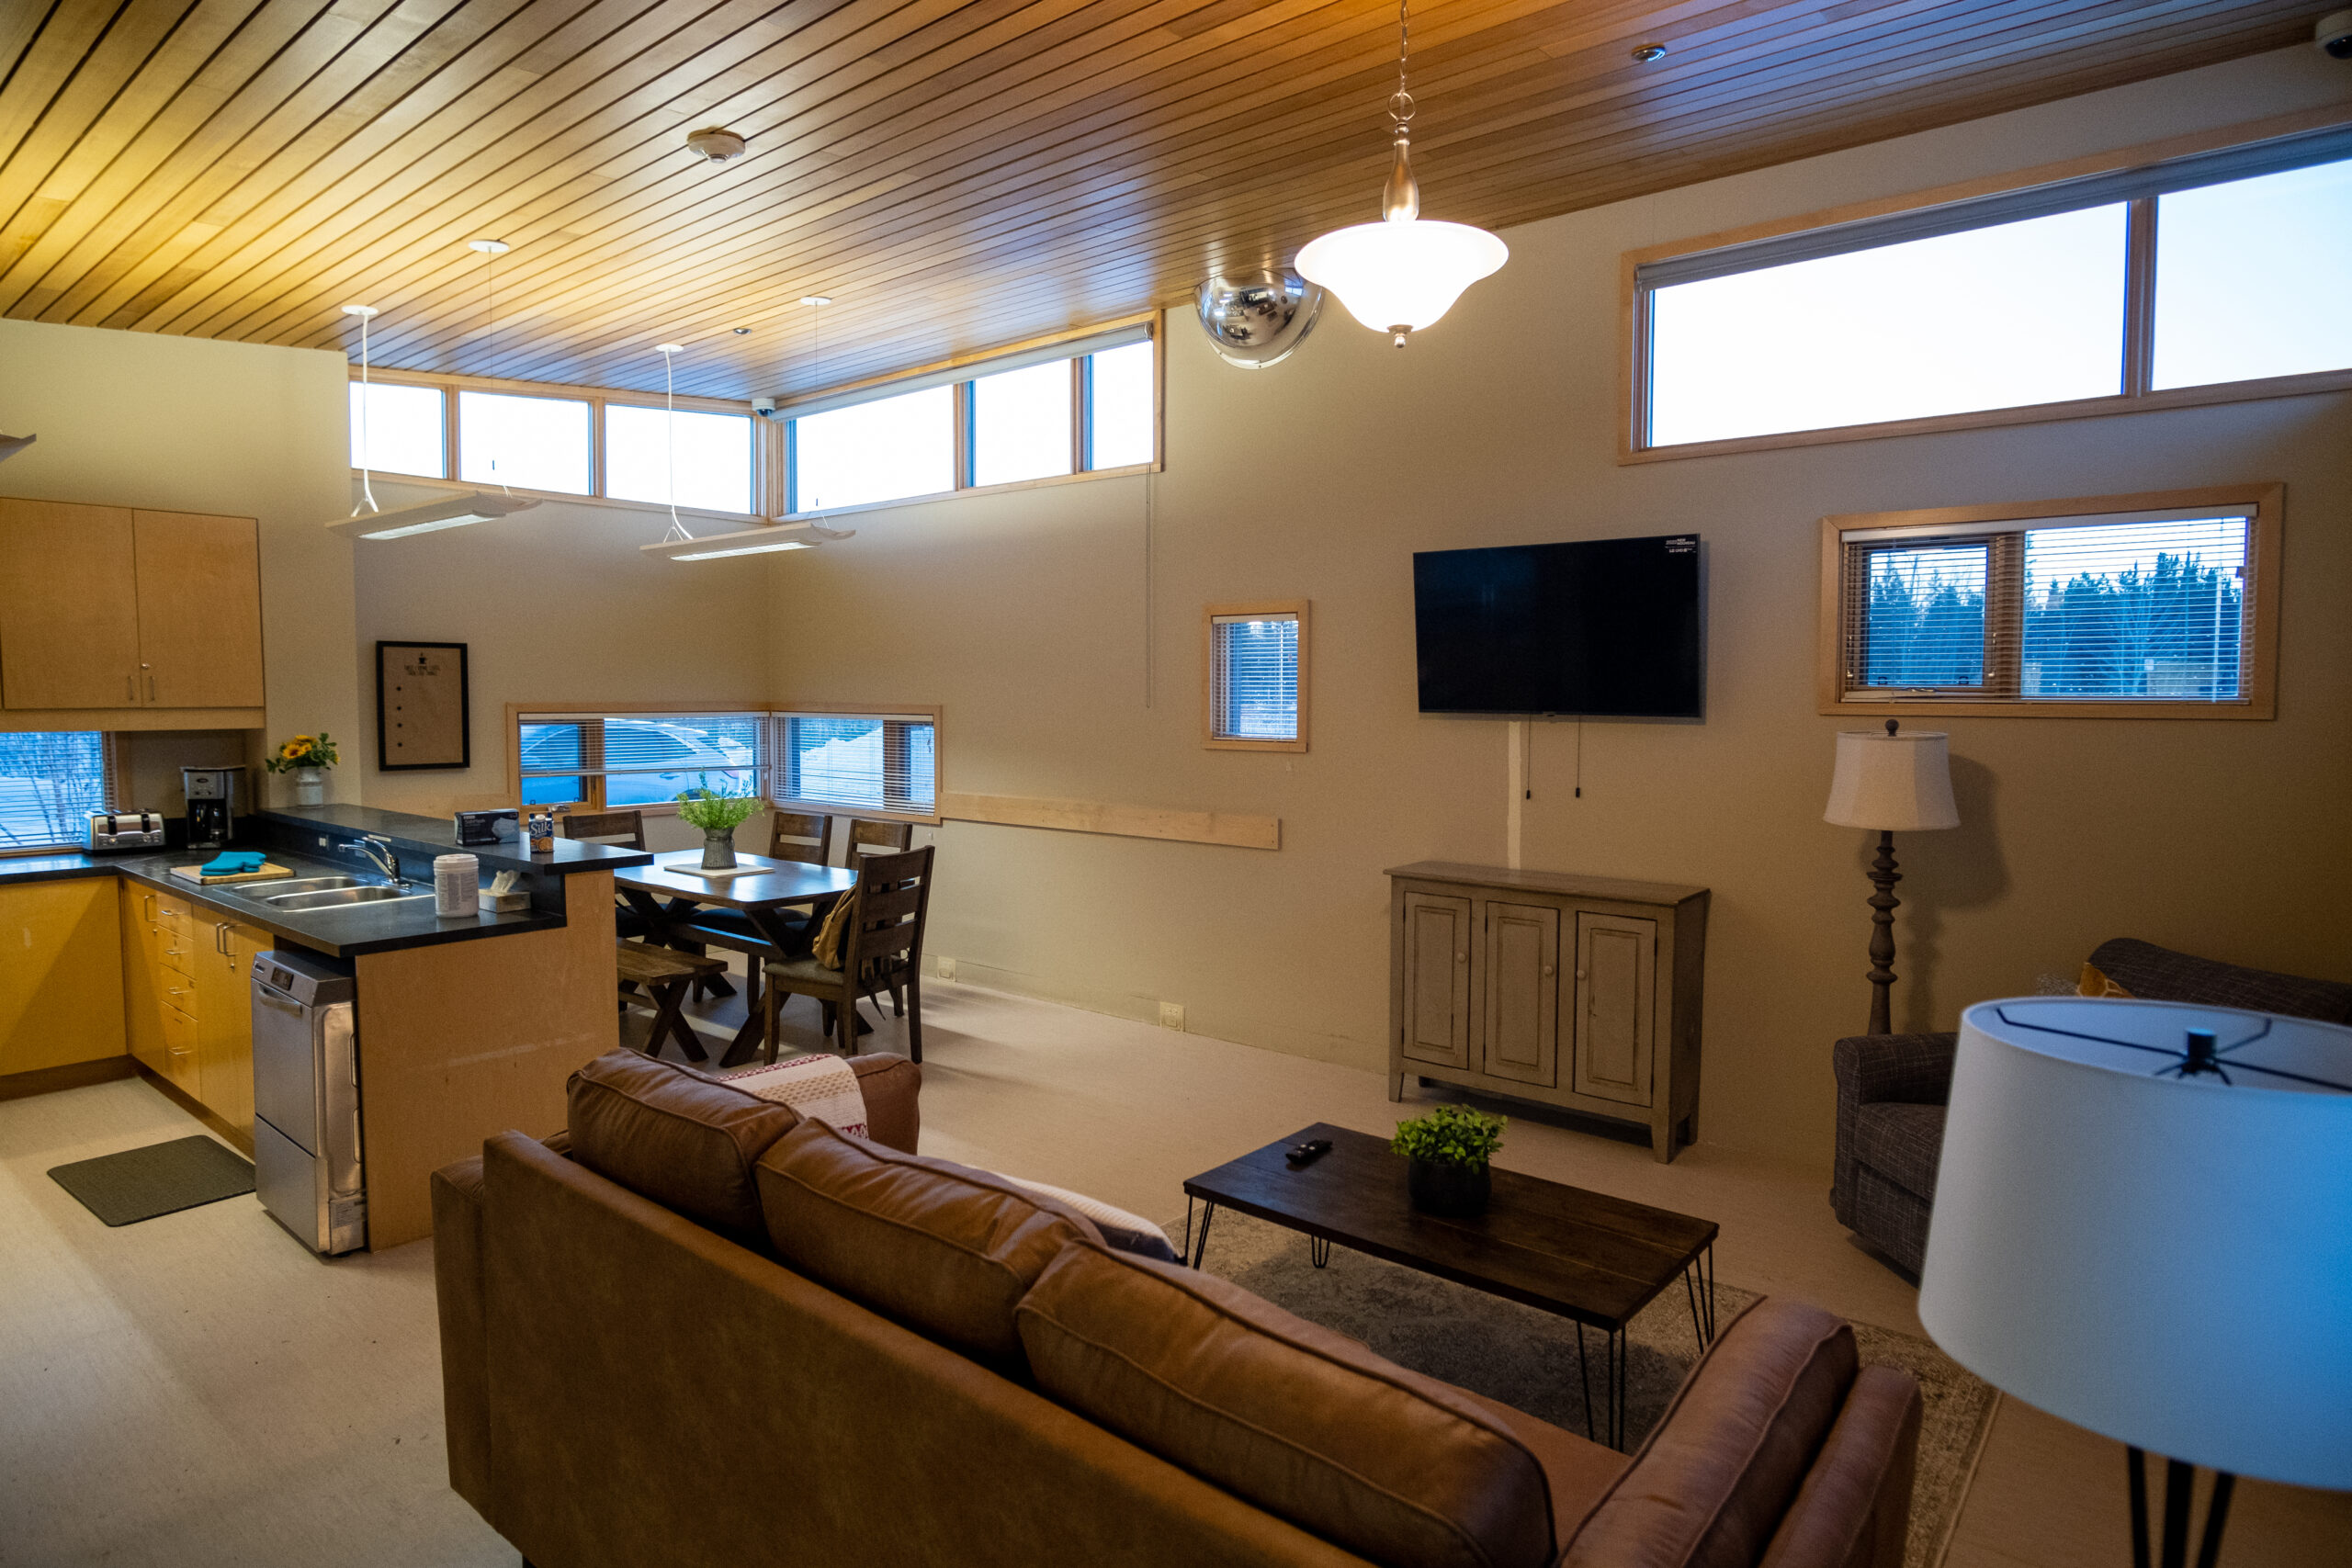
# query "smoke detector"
(715, 143)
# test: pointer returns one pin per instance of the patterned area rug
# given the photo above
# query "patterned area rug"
(1528, 1359)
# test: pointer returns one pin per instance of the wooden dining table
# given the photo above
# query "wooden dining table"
(668, 892)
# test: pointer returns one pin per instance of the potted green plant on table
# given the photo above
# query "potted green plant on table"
(308, 758)
(718, 813)
(1447, 1154)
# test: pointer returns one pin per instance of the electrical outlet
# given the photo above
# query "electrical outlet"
(947, 967)
(1171, 1015)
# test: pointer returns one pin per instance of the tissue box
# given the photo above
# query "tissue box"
(503, 903)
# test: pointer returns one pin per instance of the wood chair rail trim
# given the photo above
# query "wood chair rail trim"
(1231, 830)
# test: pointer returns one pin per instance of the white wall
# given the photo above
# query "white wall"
(1026, 615)
(137, 419)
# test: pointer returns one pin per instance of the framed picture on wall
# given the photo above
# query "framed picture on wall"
(423, 718)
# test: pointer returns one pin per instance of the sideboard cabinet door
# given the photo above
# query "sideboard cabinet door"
(1522, 993)
(1616, 1007)
(1435, 974)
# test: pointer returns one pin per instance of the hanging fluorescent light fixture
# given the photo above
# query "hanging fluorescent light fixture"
(679, 545)
(369, 521)
(1401, 274)
(760, 541)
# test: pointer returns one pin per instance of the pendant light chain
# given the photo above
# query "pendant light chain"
(1400, 107)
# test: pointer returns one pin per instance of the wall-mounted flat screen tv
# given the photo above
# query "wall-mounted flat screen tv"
(1603, 628)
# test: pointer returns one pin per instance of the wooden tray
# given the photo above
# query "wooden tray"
(268, 873)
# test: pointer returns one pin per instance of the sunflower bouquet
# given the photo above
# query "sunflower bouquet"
(304, 752)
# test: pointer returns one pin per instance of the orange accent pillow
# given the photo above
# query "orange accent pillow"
(2095, 983)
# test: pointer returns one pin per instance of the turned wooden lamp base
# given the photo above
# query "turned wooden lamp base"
(1885, 783)
(1884, 903)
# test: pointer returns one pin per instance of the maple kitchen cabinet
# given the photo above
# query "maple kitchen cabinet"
(60, 975)
(120, 618)
(1581, 992)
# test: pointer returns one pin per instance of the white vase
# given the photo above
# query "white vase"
(309, 786)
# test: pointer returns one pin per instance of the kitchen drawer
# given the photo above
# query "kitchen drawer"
(179, 1048)
(175, 951)
(169, 913)
(179, 993)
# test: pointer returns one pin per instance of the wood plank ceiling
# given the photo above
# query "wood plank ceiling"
(957, 176)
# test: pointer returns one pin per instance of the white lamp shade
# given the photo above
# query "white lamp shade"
(2167, 1260)
(1901, 781)
(1401, 273)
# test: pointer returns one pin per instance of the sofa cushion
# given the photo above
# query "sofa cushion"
(1720, 1469)
(1578, 1472)
(2160, 975)
(1902, 1143)
(1306, 1423)
(686, 1141)
(946, 1251)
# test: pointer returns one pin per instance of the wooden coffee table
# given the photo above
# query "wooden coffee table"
(1589, 1258)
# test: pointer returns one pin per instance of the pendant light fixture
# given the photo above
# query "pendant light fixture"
(1401, 274)
(369, 521)
(678, 543)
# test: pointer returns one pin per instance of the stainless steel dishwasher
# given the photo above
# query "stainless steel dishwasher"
(307, 1159)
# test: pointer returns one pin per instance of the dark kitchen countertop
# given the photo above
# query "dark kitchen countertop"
(439, 836)
(347, 931)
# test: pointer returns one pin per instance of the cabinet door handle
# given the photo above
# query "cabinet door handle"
(151, 907)
(130, 688)
(1547, 969)
(1462, 958)
(220, 938)
(151, 688)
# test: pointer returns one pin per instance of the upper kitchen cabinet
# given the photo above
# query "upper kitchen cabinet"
(124, 619)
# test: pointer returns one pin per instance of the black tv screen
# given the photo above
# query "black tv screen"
(1607, 628)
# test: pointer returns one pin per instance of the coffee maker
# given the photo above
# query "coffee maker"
(211, 805)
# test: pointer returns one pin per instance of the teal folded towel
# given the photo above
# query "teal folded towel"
(232, 862)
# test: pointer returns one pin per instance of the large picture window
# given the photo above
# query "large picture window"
(1088, 406)
(2157, 605)
(2196, 279)
(50, 782)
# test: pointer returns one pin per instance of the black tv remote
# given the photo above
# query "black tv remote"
(1306, 1154)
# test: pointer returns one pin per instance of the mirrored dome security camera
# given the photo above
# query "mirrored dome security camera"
(2333, 35)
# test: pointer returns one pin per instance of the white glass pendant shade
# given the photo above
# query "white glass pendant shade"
(1401, 274)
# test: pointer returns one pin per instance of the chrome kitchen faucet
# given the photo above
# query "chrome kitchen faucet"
(378, 852)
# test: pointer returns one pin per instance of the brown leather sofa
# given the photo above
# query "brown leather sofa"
(696, 1330)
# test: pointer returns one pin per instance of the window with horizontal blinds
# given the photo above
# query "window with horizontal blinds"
(50, 782)
(1256, 677)
(862, 762)
(637, 759)
(2080, 609)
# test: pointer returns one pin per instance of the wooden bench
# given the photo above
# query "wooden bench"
(665, 975)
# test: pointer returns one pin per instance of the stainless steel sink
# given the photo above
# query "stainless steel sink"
(337, 897)
(272, 891)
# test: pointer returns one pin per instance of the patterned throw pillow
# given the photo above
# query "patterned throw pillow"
(1120, 1231)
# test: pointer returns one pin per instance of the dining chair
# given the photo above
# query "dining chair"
(882, 938)
(867, 836)
(625, 829)
(800, 835)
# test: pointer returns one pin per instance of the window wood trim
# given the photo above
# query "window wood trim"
(1210, 614)
(2258, 650)
(1632, 333)
(932, 711)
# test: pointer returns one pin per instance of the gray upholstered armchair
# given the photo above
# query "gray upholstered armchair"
(1892, 1088)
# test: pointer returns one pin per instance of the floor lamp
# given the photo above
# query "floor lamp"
(2143, 1226)
(1894, 782)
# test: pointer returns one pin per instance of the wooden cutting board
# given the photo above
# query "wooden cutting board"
(268, 873)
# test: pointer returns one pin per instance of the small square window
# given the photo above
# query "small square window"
(1254, 685)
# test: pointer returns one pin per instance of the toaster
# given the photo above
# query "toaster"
(126, 830)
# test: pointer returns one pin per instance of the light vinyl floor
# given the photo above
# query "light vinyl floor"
(199, 1390)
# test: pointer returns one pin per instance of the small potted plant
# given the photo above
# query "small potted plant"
(718, 813)
(308, 758)
(1447, 1154)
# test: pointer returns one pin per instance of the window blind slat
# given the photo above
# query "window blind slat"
(50, 782)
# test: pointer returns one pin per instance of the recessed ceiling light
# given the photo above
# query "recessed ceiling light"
(1649, 53)
(816, 298)
(742, 331)
(489, 247)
